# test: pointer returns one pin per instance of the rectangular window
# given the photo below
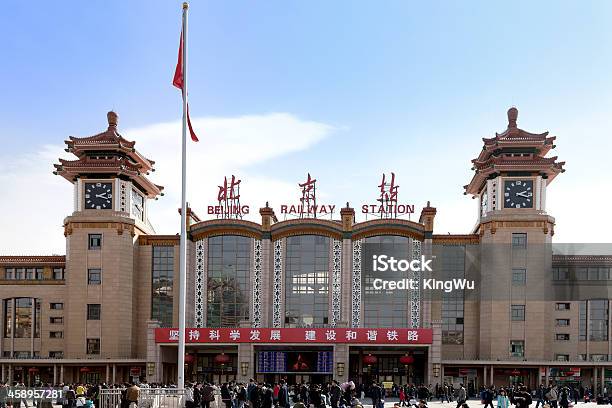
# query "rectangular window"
(598, 320)
(517, 348)
(562, 357)
(581, 273)
(518, 313)
(519, 240)
(94, 276)
(563, 322)
(582, 321)
(56, 306)
(56, 354)
(560, 273)
(19, 273)
(519, 277)
(93, 346)
(562, 306)
(599, 357)
(8, 319)
(95, 241)
(56, 335)
(93, 312)
(58, 273)
(56, 320)
(562, 337)
(9, 273)
(162, 277)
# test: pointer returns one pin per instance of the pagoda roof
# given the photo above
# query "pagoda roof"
(117, 156)
(492, 158)
(109, 140)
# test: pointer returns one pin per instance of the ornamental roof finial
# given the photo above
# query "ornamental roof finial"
(512, 116)
(112, 118)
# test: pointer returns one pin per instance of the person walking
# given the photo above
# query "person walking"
(132, 395)
(552, 395)
(283, 395)
(502, 399)
(335, 393)
(487, 397)
(522, 398)
(461, 396)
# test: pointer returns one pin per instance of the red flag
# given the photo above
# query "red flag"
(178, 82)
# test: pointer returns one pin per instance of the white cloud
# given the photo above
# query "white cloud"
(36, 201)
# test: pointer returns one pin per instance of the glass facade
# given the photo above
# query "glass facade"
(162, 284)
(453, 266)
(384, 308)
(21, 317)
(229, 265)
(307, 281)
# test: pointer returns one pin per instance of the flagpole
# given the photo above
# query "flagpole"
(183, 242)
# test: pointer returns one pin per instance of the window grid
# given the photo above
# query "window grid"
(307, 266)
(229, 266)
(162, 284)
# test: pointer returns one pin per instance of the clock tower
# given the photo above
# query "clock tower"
(111, 191)
(512, 172)
(511, 175)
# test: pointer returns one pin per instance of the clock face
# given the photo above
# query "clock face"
(137, 205)
(99, 196)
(483, 203)
(518, 194)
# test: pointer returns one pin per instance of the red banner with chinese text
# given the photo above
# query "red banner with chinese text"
(297, 335)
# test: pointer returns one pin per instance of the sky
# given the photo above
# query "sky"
(345, 90)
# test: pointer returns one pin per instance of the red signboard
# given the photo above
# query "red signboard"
(297, 335)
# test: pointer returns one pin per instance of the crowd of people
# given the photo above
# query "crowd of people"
(330, 395)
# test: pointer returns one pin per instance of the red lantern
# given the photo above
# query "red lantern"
(406, 360)
(222, 358)
(370, 359)
(33, 370)
(84, 370)
(189, 358)
(515, 372)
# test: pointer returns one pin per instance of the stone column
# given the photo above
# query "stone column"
(348, 219)
(114, 374)
(246, 360)
(153, 354)
(492, 375)
(107, 375)
(341, 362)
(33, 328)
(267, 264)
(54, 374)
(435, 350)
(427, 217)
(61, 373)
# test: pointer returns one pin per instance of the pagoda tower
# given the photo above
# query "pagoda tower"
(511, 176)
(111, 195)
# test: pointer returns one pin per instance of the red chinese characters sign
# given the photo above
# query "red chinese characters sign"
(297, 335)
